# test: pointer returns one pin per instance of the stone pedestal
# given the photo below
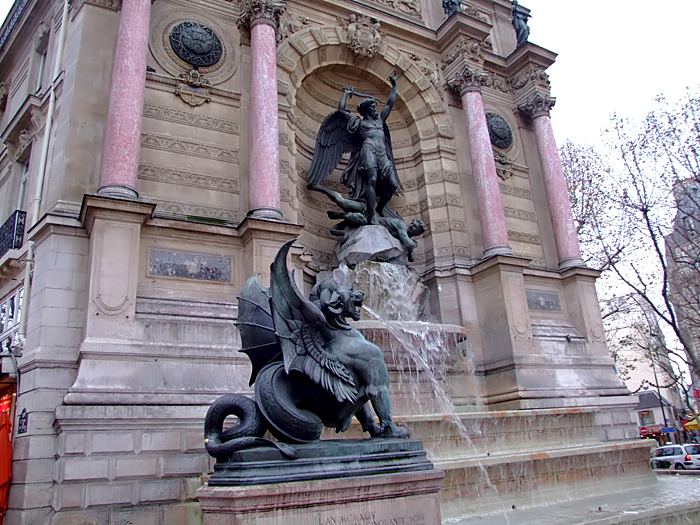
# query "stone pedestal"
(410, 499)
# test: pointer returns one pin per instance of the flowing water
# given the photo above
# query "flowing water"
(423, 354)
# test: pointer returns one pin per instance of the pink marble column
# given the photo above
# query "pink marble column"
(565, 238)
(493, 222)
(120, 155)
(264, 177)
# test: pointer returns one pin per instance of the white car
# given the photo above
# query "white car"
(678, 457)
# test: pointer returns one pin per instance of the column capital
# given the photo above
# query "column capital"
(467, 79)
(262, 12)
(537, 105)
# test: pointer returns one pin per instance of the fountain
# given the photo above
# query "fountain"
(313, 371)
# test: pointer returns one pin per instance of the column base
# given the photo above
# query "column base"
(270, 214)
(117, 191)
(496, 250)
(573, 262)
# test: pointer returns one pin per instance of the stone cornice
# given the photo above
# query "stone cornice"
(537, 105)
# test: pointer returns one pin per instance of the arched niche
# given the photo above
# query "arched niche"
(313, 66)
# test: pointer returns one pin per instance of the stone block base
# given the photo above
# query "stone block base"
(404, 499)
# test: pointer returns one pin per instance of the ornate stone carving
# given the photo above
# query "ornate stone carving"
(466, 47)
(473, 12)
(112, 5)
(499, 131)
(290, 24)
(499, 84)
(21, 144)
(3, 93)
(193, 88)
(535, 74)
(504, 166)
(40, 39)
(196, 44)
(407, 7)
(262, 12)
(431, 71)
(363, 34)
(468, 79)
(537, 105)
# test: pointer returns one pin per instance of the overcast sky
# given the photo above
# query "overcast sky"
(614, 56)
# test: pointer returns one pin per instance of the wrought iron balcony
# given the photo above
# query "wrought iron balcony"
(12, 232)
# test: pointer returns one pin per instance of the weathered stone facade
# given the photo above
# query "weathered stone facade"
(139, 233)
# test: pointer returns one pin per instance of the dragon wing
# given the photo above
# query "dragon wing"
(298, 325)
(332, 142)
(256, 326)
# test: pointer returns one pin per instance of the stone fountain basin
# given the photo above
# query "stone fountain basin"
(414, 326)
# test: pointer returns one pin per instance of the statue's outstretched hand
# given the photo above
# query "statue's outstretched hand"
(392, 78)
(349, 90)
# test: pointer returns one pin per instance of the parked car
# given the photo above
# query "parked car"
(678, 457)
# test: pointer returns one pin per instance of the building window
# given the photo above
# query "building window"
(40, 57)
(23, 186)
(40, 73)
(10, 317)
(646, 418)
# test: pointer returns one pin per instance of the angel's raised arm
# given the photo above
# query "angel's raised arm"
(347, 92)
(392, 97)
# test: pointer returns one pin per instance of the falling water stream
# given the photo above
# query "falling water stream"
(429, 359)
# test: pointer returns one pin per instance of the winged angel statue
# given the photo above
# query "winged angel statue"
(370, 174)
(310, 368)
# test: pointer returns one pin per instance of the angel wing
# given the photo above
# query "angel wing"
(298, 324)
(332, 142)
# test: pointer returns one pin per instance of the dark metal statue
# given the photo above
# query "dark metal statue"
(451, 7)
(310, 368)
(354, 215)
(519, 20)
(371, 174)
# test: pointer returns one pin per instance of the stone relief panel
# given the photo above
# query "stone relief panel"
(188, 178)
(188, 147)
(193, 44)
(191, 119)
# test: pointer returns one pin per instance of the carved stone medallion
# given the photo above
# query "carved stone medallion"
(183, 39)
(499, 131)
(196, 44)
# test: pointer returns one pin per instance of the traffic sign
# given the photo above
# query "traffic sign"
(643, 431)
(668, 430)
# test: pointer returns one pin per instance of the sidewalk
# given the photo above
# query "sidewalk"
(674, 499)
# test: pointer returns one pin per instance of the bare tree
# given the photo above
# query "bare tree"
(640, 221)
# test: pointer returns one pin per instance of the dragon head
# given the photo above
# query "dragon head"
(337, 302)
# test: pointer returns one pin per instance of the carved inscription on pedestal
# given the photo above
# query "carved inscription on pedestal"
(371, 518)
(189, 266)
